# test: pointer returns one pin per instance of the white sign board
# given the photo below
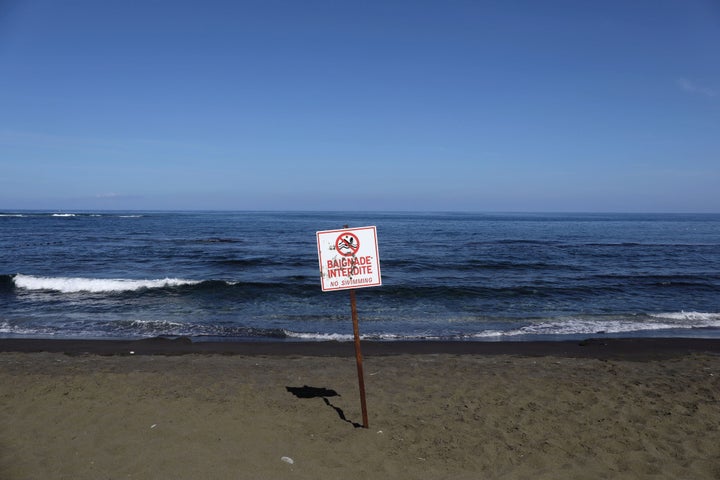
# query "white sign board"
(348, 258)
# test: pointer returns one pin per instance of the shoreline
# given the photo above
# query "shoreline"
(642, 348)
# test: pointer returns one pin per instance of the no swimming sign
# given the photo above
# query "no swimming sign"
(348, 258)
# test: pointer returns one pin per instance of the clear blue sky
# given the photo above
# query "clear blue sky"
(379, 105)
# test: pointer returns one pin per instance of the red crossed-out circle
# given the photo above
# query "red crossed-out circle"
(347, 244)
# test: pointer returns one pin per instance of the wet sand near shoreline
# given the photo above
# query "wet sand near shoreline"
(625, 348)
(603, 408)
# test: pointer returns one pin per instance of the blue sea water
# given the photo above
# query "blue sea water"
(459, 276)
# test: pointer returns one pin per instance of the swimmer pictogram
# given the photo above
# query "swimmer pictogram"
(347, 244)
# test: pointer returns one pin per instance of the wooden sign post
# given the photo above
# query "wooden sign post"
(349, 260)
(358, 357)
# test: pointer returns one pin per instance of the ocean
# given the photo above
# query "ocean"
(450, 276)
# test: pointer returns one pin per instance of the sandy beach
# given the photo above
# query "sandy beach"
(630, 409)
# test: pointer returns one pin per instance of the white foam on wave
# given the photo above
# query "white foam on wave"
(63, 215)
(590, 325)
(320, 337)
(93, 285)
(609, 325)
(711, 319)
(8, 329)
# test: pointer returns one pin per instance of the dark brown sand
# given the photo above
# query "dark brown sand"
(615, 409)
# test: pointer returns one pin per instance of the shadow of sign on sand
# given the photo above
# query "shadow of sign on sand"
(316, 392)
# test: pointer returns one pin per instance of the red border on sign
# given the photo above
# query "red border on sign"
(330, 239)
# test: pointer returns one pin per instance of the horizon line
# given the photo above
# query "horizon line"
(404, 211)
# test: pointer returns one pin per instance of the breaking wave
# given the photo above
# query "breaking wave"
(94, 285)
(611, 324)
